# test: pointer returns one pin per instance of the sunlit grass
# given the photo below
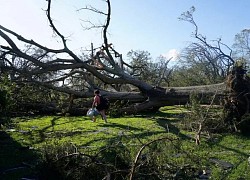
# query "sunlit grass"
(82, 131)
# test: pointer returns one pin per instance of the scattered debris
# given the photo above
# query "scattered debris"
(223, 164)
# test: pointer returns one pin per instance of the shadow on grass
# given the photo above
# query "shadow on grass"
(121, 126)
(152, 114)
(237, 152)
(216, 142)
(169, 127)
(16, 161)
(125, 135)
(52, 125)
(41, 132)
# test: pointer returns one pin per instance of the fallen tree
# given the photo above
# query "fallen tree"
(104, 69)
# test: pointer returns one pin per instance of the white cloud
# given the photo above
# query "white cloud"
(172, 53)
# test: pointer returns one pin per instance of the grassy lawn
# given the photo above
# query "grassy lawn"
(222, 156)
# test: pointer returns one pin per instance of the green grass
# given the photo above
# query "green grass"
(24, 139)
(81, 131)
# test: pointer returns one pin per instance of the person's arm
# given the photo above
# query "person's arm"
(96, 101)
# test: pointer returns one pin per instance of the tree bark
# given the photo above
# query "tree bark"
(177, 96)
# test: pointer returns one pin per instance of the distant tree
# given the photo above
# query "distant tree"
(208, 60)
(140, 62)
(241, 46)
(154, 72)
(189, 76)
(162, 71)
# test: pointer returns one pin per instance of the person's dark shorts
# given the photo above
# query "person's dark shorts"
(100, 107)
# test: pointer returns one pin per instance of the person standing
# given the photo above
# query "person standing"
(99, 106)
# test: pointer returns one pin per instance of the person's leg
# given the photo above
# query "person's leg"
(93, 118)
(102, 112)
(96, 113)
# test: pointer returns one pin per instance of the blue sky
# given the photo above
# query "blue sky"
(150, 25)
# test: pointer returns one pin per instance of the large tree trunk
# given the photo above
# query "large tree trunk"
(137, 101)
(159, 97)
